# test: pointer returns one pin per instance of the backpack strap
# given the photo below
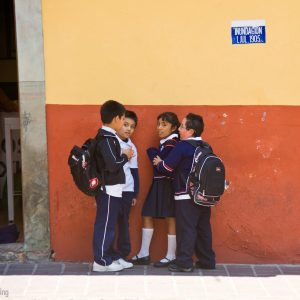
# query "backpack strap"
(205, 147)
(194, 143)
(199, 143)
(98, 138)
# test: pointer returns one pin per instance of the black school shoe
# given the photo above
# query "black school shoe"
(160, 264)
(175, 268)
(142, 261)
(198, 265)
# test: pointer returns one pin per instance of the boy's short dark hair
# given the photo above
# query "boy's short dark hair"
(131, 115)
(195, 122)
(111, 109)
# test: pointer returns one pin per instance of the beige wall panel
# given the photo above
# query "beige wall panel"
(170, 52)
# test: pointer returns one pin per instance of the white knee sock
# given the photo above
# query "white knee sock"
(171, 248)
(146, 240)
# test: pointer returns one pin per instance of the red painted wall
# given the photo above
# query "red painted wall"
(257, 220)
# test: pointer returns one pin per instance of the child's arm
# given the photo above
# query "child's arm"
(166, 150)
(113, 160)
(135, 175)
(136, 183)
(170, 163)
(133, 164)
(152, 152)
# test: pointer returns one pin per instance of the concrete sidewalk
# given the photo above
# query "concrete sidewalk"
(77, 281)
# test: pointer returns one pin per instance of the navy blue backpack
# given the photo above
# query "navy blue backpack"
(206, 182)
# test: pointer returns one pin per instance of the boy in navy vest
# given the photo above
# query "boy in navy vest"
(111, 160)
(193, 229)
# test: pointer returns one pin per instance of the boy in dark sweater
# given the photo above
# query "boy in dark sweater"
(193, 229)
(111, 160)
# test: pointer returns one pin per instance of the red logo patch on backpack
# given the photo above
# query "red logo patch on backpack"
(94, 182)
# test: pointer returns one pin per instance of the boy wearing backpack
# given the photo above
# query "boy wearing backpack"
(193, 229)
(110, 160)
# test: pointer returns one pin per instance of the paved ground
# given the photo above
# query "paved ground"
(76, 281)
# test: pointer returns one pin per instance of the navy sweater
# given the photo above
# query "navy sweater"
(162, 152)
(179, 162)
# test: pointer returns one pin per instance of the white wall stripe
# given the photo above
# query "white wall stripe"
(242, 23)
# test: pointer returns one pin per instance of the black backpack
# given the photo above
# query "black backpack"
(83, 167)
(206, 182)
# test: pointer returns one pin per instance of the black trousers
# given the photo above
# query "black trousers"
(193, 234)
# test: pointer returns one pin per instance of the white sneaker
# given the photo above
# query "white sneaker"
(125, 264)
(113, 267)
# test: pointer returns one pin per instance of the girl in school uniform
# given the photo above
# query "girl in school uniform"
(159, 202)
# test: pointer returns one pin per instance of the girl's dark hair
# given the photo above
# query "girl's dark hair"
(195, 122)
(171, 118)
(131, 115)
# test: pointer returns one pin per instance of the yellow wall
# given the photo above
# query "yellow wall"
(170, 52)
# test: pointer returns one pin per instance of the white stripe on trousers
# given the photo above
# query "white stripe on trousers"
(105, 230)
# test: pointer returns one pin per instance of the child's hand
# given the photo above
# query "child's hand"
(133, 203)
(156, 160)
(128, 152)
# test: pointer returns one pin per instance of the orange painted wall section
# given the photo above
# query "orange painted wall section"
(257, 220)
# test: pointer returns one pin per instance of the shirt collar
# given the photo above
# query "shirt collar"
(109, 129)
(171, 136)
(127, 141)
(195, 138)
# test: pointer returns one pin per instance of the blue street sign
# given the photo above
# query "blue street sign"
(248, 32)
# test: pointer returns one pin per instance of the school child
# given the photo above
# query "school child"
(159, 202)
(131, 186)
(109, 200)
(193, 229)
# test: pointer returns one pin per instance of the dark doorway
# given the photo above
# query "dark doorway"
(10, 186)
